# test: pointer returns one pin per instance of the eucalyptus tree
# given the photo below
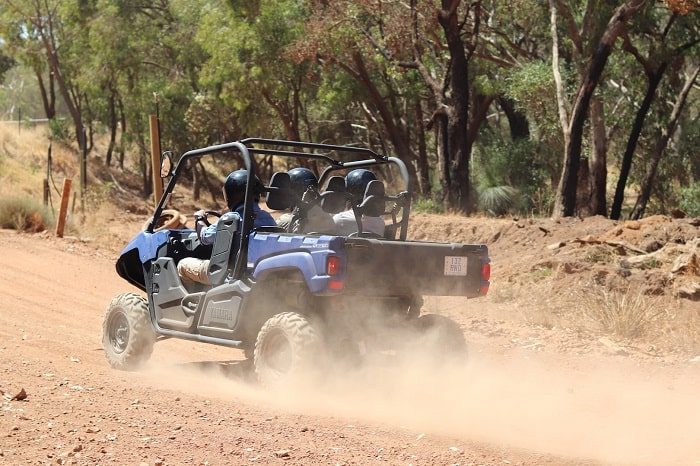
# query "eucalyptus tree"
(573, 121)
(41, 25)
(660, 41)
(247, 68)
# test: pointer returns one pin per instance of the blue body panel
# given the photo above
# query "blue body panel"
(147, 244)
(269, 252)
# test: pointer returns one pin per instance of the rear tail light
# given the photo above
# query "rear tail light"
(485, 277)
(333, 265)
(486, 271)
(336, 285)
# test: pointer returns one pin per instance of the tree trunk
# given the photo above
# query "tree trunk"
(55, 66)
(442, 143)
(457, 152)
(653, 81)
(660, 147)
(112, 130)
(597, 164)
(122, 136)
(48, 100)
(565, 201)
(517, 121)
(422, 167)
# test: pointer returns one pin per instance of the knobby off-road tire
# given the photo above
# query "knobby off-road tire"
(288, 346)
(441, 340)
(127, 334)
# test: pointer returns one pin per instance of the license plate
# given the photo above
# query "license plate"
(456, 265)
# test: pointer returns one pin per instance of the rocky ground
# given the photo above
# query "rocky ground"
(541, 387)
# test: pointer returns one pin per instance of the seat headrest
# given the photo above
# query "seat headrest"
(374, 202)
(334, 199)
(279, 195)
(336, 183)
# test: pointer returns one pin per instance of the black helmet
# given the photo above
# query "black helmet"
(356, 182)
(301, 178)
(234, 187)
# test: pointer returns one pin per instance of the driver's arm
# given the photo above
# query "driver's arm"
(205, 232)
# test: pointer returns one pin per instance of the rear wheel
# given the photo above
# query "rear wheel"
(288, 346)
(441, 339)
(127, 334)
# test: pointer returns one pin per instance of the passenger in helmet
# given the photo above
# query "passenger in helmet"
(356, 183)
(307, 214)
(193, 269)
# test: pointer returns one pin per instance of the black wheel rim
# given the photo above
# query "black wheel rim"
(118, 331)
(277, 353)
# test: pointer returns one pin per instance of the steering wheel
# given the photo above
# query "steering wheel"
(170, 219)
(208, 213)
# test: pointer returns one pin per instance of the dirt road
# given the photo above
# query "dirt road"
(195, 404)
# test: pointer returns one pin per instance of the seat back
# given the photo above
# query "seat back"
(279, 195)
(335, 197)
(226, 243)
(374, 202)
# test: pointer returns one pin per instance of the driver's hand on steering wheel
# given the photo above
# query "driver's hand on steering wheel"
(201, 216)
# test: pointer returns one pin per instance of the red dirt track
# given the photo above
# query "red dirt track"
(195, 403)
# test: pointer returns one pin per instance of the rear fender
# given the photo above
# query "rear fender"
(310, 264)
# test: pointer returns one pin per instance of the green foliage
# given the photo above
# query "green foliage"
(346, 72)
(23, 213)
(6, 63)
(498, 200)
(59, 130)
(427, 205)
(690, 199)
(513, 176)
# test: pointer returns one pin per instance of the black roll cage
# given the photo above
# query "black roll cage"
(245, 148)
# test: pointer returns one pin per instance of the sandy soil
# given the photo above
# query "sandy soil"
(529, 395)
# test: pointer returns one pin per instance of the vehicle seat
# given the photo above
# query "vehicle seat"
(374, 202)
(226, 242)
(279, 193)
(333, 200)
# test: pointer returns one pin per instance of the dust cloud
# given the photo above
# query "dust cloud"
(615, 415)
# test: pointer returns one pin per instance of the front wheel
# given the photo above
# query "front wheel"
(288, 345)
(127, 334)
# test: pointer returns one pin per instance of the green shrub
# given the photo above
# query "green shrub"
(427, 205)
(59, 130)
(498, 200)
(24, 214)
(690, 200)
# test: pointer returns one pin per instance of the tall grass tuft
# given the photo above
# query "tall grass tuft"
(498, 200)
(628, 314)
(24, 213)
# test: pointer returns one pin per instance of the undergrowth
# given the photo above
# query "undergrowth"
(24, 213)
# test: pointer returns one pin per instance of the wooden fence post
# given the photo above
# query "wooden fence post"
(61, 223)
(155, 158)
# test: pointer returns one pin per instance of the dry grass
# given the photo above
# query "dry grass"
(24, 213)
(630, 314)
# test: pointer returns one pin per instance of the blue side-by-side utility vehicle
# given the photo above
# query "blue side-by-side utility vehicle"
(288, 299)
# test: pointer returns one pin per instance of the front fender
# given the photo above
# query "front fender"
(135, 259)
